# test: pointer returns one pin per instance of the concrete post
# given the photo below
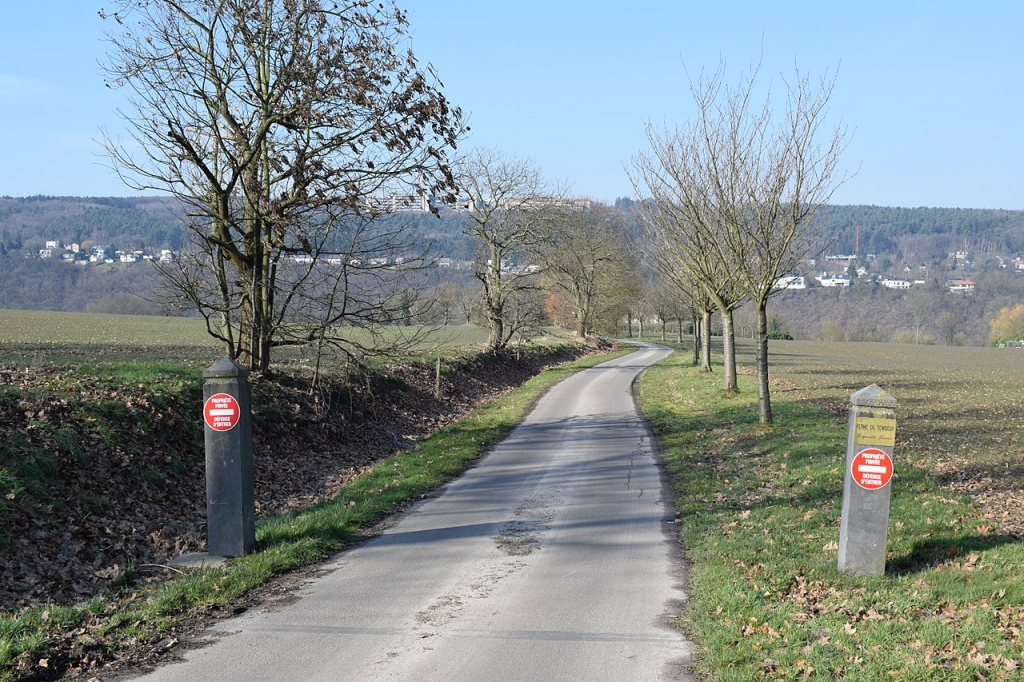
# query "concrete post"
(227, 413)
(867, 485)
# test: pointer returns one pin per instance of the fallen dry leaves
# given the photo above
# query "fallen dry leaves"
(121, 505)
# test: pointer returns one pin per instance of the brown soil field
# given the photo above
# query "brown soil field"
(960, 409)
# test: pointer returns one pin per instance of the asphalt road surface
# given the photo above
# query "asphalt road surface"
(552, 559)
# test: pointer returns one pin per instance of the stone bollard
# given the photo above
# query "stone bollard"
(871, 438)
(227, 413)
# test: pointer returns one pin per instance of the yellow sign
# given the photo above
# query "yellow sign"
(868, 431)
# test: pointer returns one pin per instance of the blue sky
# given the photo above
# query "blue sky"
(933, 92)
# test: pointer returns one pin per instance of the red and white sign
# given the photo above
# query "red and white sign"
(871, 469)
(221, 412)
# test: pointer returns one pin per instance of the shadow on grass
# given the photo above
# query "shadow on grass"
(928, 554)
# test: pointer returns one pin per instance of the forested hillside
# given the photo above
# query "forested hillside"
(912, 243)
(923, 233)
(141, 222)
(155, 222)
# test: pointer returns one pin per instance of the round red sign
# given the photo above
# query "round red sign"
(221, 412)
(871, 468)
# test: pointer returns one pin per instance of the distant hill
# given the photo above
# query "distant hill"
(924, 234)
(155, 223)
(911, 239)
(139, 222)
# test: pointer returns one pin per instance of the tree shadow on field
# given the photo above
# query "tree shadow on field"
(934, 552)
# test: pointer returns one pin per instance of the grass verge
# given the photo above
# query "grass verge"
(44, 643)
(759, 511)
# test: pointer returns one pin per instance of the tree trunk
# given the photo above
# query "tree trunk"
(705, 342)
(494, 301)
(496, 335)
(696, 338)
(728, 352)
(582, 322)
(764, 397)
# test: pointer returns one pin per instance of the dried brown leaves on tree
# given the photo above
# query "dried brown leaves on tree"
(277, 124)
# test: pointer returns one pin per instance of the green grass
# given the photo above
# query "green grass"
(283, 543)
(759, 512)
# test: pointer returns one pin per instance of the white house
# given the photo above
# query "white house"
(790, 282)
(960, 285)
(895, 283)
(827, 280)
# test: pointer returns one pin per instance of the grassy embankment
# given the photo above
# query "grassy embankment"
(759, 511)
(38, 638)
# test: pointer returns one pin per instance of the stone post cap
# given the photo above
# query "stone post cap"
(872, 396)
(225, 368)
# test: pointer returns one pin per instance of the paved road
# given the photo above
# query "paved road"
(548, 561)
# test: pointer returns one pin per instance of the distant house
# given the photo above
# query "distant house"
(895, 283)
(960, 285)
(790, 282)
(827, 280)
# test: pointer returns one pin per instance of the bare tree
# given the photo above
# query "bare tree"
(743, 182)
(587, 255)
(445, 303)
(663, 296)
(276, 123)
(510, 207)
(639, 311)
(525, 313)
(685, 246)
(689, 299)
(949, 323)
(920, 303)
